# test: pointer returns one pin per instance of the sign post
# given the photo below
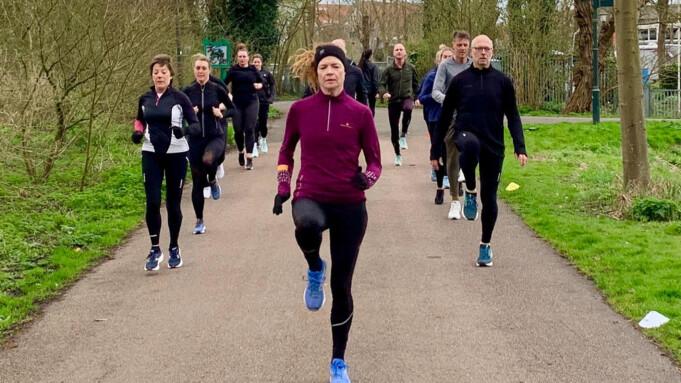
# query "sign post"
(595, 87)
(220, 55)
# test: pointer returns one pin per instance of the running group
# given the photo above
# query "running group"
(464, 102)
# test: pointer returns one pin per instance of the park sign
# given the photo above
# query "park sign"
(218, 52)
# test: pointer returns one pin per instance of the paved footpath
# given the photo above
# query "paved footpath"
(423, 311)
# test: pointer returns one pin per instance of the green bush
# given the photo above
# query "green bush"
(667, 77)
(653, 209)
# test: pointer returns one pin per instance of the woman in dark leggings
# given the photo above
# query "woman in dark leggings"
(333, 129)
(431, 113)
(206, 150)
(266, 97)
(245, 81)
(159, 126)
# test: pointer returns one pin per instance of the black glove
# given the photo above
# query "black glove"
(279, 200)
(178, 132)
(137, 137)
(360, 180)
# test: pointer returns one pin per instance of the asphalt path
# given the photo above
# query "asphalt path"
(423, 311)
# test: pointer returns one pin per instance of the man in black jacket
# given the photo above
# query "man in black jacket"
(354, 78)
(481, 96)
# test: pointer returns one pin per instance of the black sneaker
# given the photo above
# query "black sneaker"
(439, 196)
(175, 259)
(154, 259)
(241, 159)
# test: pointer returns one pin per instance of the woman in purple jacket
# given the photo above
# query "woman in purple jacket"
(332, 129)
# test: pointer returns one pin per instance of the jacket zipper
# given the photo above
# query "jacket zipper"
(328, 117)
(203, 114)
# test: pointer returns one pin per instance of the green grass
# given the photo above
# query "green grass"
(571, 195)
(51, 233)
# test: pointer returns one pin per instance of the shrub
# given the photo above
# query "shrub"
(653, 209)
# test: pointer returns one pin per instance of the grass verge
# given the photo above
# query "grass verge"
(51, 233)
(571, 195)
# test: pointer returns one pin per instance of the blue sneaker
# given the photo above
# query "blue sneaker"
(154, 259)
(175, 259)
(433, 177)
(486, 256)
(339, 371)
(314, 292)
(200, 227)
(470, 206)
(445, 182)
(215, 190)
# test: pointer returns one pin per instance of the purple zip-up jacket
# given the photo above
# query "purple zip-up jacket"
(332, 131)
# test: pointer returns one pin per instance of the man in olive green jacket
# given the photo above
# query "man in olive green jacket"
(399, 85)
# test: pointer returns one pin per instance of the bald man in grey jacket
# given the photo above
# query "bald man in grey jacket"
(446, 71)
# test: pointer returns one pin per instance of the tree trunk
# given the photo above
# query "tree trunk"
(634, 144)
(580, 99)
(662, 7)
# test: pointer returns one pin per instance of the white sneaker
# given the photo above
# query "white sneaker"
(403, 143)
(206, 192)
(454, 210)
(461, 177)
(220, 174)
(255, 151)
(263, 145)
(398, 160)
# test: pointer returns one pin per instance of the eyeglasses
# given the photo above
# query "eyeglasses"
(483, 49)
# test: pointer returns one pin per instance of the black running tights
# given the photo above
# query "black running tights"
(472, 155)
(394, 110)
(245, 118)
(205, 155)
(347, 224)
(154, 167)
(442, 169)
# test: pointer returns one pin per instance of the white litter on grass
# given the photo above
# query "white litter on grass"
(653, 320)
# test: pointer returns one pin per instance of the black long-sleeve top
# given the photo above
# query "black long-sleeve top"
(158, 114)
(354, 83)
(242, 80)
(205, 97)
(266, 94)
(481, 98)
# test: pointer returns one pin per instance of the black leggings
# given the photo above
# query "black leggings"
(372, 103)
(471, 154)
(261, 129)
(347, 224)
(245, 118)
(394, 110)
(154, 166)
(442, 169)
(205, 155)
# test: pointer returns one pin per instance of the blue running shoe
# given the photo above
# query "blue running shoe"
(486, 256)
(445, 182)
(154, 259)
(314, 292)
(339, 371)
(175, 259)
(215, 190)
(200, 227)
(470, 206)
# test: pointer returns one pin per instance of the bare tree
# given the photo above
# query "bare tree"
(72, 66)
(634, 144)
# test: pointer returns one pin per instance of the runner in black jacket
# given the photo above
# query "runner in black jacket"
(207, 149)
(159, 125)
(481, 96)
(245, 81)
(265, 97)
